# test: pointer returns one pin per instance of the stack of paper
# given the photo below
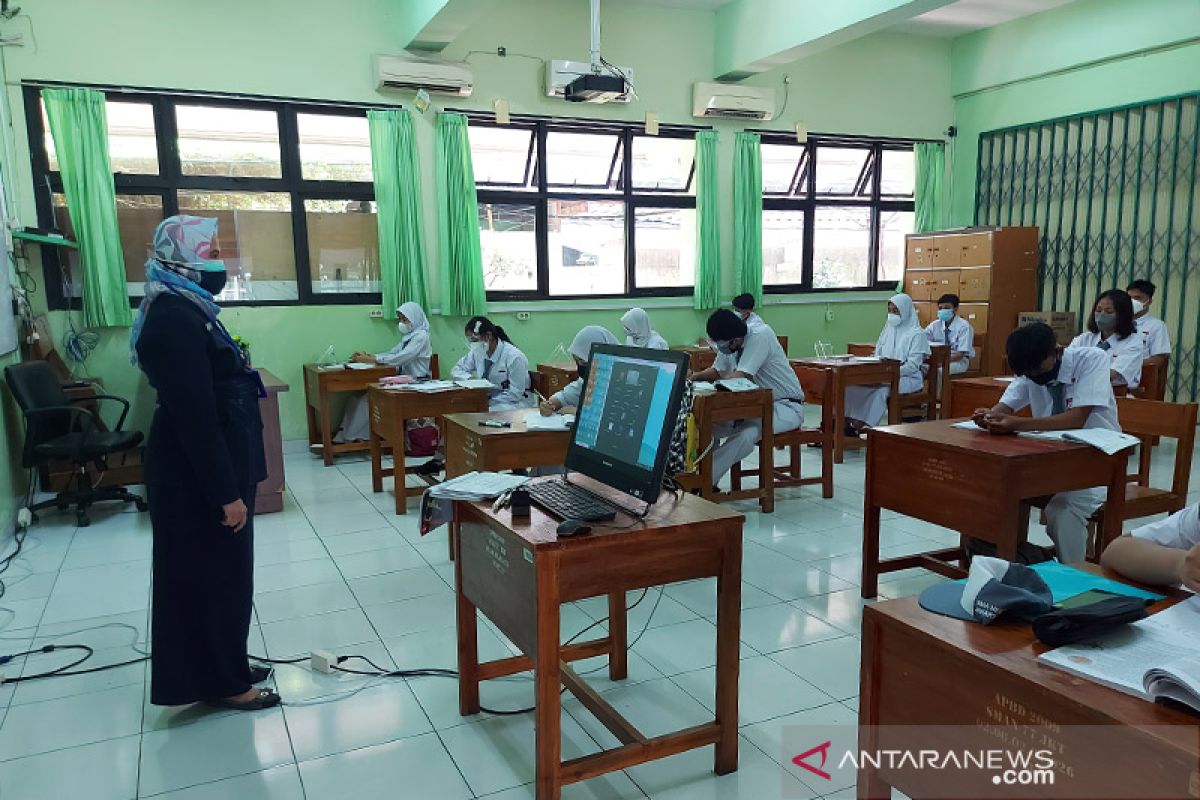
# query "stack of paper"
(474, 383)
(426, 386)
(703, 387)
(356, 365)
(1100, 438)
(477, 486)
(534, 421)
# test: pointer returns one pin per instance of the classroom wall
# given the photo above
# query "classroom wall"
(12, 477)
(885, 84)
(1086, 56)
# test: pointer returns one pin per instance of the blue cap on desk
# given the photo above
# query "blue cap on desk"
(993, 587)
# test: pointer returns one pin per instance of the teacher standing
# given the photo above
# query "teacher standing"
(204, 458)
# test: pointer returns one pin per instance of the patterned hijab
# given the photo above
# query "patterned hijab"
(179, 241)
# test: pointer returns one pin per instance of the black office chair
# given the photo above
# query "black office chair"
(56, 430)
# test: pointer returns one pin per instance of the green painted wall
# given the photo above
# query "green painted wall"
(886, 84)
(1082, 57)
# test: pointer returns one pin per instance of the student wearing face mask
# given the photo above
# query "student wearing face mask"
(1156, 342)
(1063, 393)
(411, 356)
(640, 333)
(1111, 328)
(901, 340)
(743, 306)
(493, 357)
(754, 353)
(204, 458)
(581, 351)
(954, 332)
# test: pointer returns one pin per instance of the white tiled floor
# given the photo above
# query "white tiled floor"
(337, 570)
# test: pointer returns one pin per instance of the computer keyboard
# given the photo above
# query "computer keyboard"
(569, 502)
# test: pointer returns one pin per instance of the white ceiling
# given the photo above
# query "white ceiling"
(965, 16)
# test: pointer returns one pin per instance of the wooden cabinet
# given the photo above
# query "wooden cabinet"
(992, 270)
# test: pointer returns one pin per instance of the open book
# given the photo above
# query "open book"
(1154, 658)
(736, 384)
(1100, 438)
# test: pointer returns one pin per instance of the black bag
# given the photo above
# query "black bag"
(677, 455)
(1070, 625)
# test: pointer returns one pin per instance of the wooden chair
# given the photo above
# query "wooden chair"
(1147, 419)
(537, 382)
(1153, 383)
(818, 384)
(435, 371)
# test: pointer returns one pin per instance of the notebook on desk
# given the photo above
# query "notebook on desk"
(1155, 658)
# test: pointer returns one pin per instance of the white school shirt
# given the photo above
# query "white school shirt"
(570, 394)
(1181, 530)
(1125, 355)
(763, 359)
(1155, 339)
(508, 371)
(961, 338)
(1084, 373)
(411, 356)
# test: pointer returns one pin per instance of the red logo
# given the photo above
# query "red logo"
(823, 749)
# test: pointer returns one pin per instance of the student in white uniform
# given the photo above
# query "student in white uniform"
(580, 350)
(1063, 393)
(1156, 341)
(953, 331)
(1162, 553)
(1111, 328)
(752, 352)
(492, 356)
(901, 340)
(640, 333)
(411, 356)
(743, 306)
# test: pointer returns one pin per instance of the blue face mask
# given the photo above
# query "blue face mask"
(945, 314)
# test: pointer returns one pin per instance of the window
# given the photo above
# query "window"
(835, 212)
(584, 210)
(289, 183)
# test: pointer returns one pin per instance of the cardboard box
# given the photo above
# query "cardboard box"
(1061, 322)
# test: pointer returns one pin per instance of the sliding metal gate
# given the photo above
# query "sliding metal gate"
(1113, 194)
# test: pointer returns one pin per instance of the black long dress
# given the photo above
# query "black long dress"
(204, 451)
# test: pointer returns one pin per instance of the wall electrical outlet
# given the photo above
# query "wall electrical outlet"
(523, 316)
(376, 313)
(829, 313)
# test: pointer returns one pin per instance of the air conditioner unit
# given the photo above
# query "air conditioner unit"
(408, 74)
(562, 74)
(732, 100)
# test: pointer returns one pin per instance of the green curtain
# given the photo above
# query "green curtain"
(79, 126)
(747, 215)
(398, 200)
(460, 261)
(707, 293)
(929, 202)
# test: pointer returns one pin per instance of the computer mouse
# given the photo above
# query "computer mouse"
(573, 527)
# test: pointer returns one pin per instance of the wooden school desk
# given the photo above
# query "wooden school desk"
(390, 409)
(517, 574)
(854, 371)
(930, 681)
(558, 376)
(701, 356)
(968, 394)
(470, 446)
(269, 495)
(711, 410)
(976, 483)
(320, 384)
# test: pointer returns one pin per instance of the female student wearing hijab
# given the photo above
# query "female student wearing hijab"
(410, 357)
(903, 340)
(492, 356)
(204, 458)
(1112, 329)
(640, 333)
(580, 350)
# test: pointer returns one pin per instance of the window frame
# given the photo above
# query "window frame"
(542, 193)
(804, 198)
(170, 180)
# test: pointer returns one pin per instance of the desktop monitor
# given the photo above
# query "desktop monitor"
(626, 417)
